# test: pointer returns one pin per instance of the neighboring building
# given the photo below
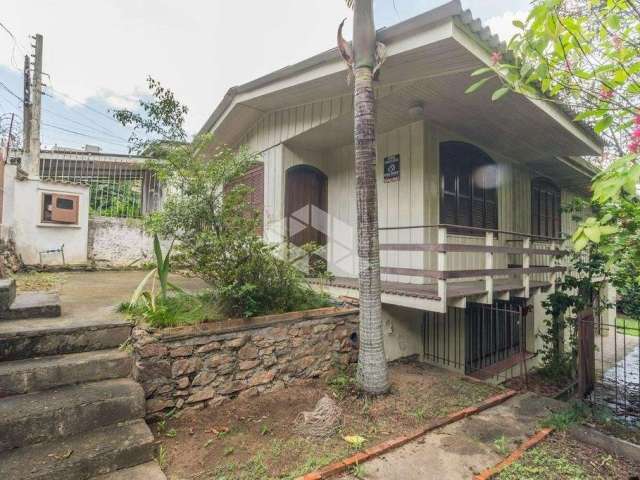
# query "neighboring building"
(81, 206)
(469, 190)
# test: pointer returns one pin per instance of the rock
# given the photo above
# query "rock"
(204, 378)
(180, 403)
(158, 404)
(202, 395)
(182, 383)
(248, 352)
(237, 342)
(153, 350)
(248, 364)
(218, 359)
(216, 402)
(269, 361)
(185, 367)
(232, 387)
(184, 351)
(261, 378)
(145, 370)
(209, 347)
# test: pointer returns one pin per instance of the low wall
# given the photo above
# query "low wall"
(118, 241)
(205, 365)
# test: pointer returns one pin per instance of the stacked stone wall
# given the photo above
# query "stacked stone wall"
(206, 365)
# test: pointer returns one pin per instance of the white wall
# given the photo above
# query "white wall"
(32, 236)
(119, 242)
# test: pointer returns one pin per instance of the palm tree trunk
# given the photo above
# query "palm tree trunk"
(372, 362)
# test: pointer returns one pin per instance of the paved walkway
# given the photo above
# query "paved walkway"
(462, 449)
(94, 295)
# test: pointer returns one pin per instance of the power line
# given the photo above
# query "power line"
(73, 132)
(10, 91)
(85, 105)
(99, 130)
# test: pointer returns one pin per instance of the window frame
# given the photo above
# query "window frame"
(59, 216)
(458, 168)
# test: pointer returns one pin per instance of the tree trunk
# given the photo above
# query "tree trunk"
(372, 362)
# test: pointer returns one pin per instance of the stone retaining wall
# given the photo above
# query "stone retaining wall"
(205, 365)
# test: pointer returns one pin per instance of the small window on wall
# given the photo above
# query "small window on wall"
(60, 208)
(546, 213)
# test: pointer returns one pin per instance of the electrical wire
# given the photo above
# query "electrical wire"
(98, 130)
(3, 85)
(73, 132)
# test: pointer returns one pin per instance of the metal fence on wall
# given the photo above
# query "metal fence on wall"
(120, 186)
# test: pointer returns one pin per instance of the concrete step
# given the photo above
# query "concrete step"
(81, 457)
(21, 339)
(7, 292)
(69, 410)
(32, 375)
(33, 305)
(146, 471)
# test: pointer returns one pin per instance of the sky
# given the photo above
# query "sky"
(98, 54)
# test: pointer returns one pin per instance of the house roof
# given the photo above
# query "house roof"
(430, 57)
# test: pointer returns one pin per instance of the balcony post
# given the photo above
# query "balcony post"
(526, 263)
(488, 265)
(554, 263)
(442, 267)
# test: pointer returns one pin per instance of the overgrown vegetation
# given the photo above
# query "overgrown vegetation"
(207, 215)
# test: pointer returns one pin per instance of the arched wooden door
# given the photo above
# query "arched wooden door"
(305, 188)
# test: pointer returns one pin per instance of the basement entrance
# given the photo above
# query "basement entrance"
(495, 336)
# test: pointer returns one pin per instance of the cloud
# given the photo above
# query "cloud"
(502, 25)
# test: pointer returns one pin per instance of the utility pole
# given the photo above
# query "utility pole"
(26, 105)
(33, 166)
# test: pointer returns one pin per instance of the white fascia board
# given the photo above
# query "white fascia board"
(551, 110)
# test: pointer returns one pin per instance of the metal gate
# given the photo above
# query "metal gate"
(493, 333)
(609, 360)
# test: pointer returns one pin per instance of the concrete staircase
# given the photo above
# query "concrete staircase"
(68, 409)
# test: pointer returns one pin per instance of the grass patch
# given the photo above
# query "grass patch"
(177, 310)
(576, 413)
(542, 463)
(627, 325)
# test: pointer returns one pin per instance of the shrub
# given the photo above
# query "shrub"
(215, 228)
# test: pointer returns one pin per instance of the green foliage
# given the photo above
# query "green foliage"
(541, 463)
(176, 310)
(121, 199)
(207, 214)
(563, 419)
(628, 326)
(585, 54)
(159, 121)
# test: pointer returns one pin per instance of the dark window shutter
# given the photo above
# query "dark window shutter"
(546, 213)
(467, 196)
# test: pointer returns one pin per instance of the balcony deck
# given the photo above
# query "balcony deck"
(450, 287)
(455, 290)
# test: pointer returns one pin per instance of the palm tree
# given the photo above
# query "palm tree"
(364, 61)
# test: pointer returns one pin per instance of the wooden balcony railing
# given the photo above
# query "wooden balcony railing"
(442, 248)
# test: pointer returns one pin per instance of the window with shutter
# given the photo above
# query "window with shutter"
(468, 182)
(546, 213)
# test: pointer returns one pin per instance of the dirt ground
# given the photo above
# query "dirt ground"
(538, 384)
(560, 457)
(256, 438)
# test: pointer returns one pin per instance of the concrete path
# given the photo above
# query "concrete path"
(93, 296)
(460, 450)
